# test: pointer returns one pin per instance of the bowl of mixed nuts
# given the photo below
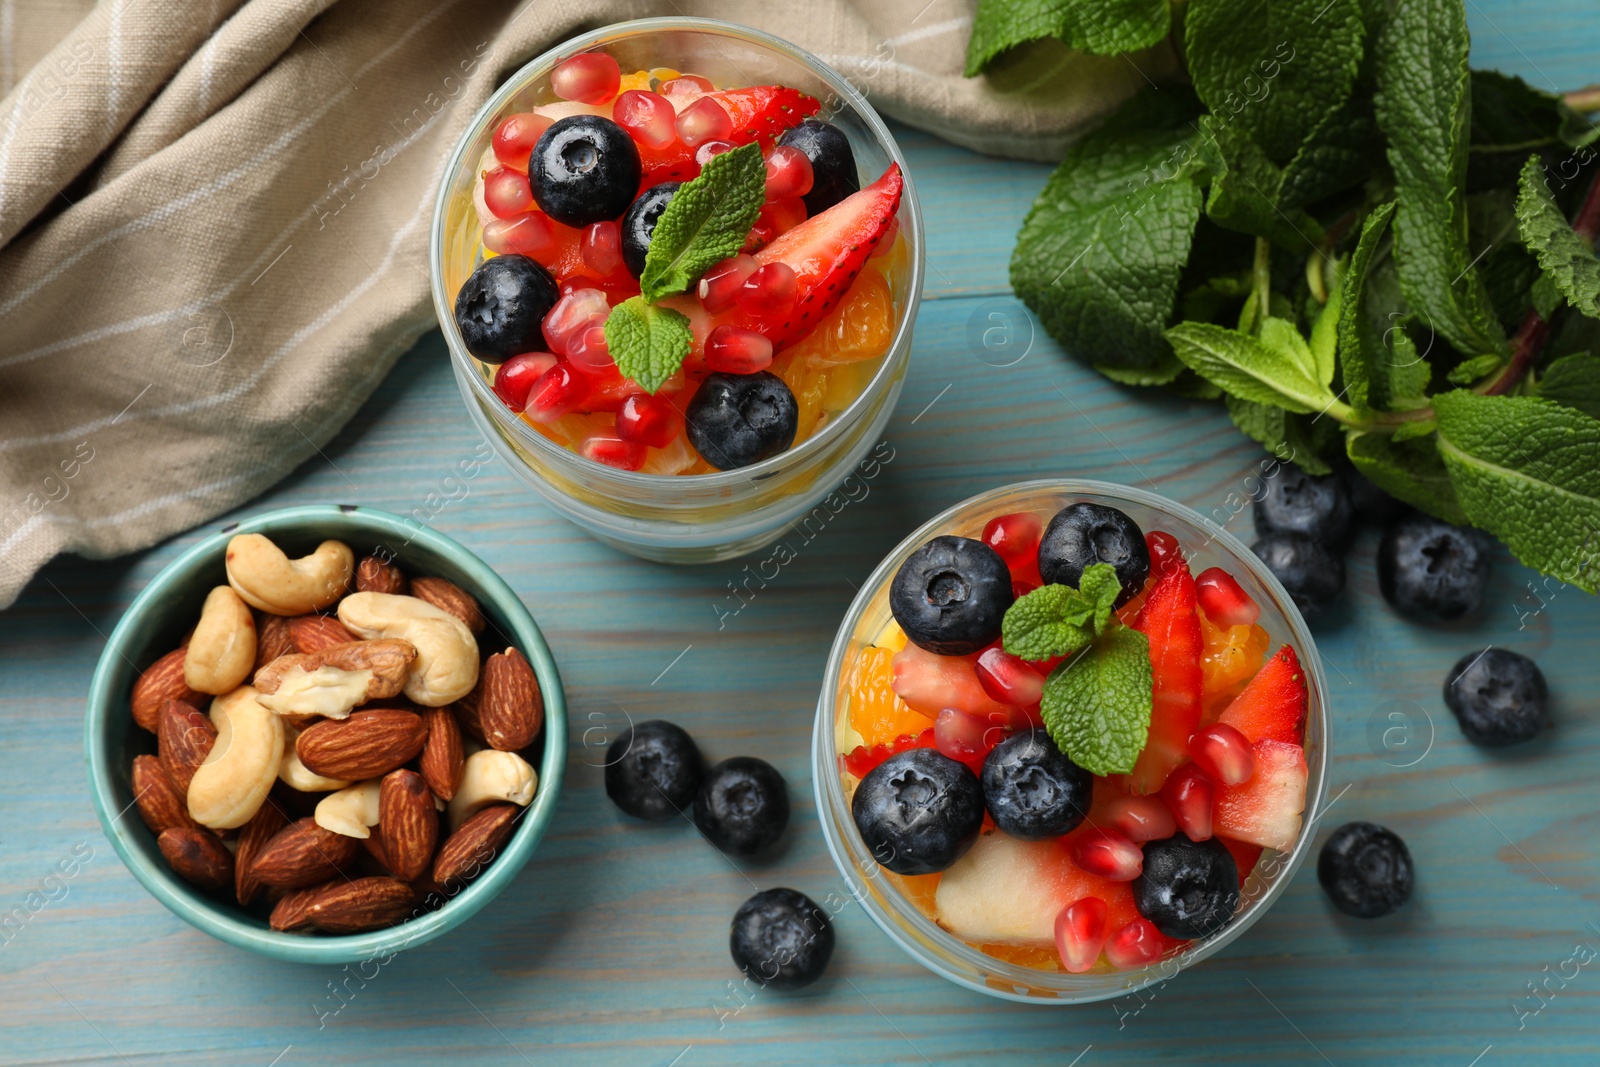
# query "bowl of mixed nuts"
(326, 734)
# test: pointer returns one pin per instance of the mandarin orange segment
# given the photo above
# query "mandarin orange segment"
(1232, 655)
(1039, 957)
(863, 323)
(917, 888)
(876, 713)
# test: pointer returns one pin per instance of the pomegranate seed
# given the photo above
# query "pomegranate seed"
(1135, 945)
(514, 139)
(506, 192)
(530, 234)
(589, 353)
(779, 216)
(1108, 854)
(1165, 553)
(886, 240)
(602, 248)
(1141, 819)
(788, 172)
(963, 737)
(649, 420)
(1190, 793)
(861, 759)
(613, 451)
(1081, 933)
(556, 392)
(572, 314)
(608, 389)
(690, 85)
(702, 121)
(1223, 753)
(720, 284)
(737, 350)
(711, 148)
(769, 292)
(589, 78)
(516, 376)
(1223, 601)
(1009, 679)
(648, 117)
(1014, 537)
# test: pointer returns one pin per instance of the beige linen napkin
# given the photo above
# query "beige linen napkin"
(214, 217)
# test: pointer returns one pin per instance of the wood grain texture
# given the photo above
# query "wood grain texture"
(612, 945)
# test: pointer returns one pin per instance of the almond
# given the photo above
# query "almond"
(313, 633)
(467, 712)
(364, 904)
(369, 744)
(450, 597)
(408, 824)
(272, 638)
(442, 758)
(373, 575)
(184, 737)
(470, 849)
(510, 705)
(162, 681)
(199, 857)
(291, 911)
(303, 854)
(161, 805)
(253, 837)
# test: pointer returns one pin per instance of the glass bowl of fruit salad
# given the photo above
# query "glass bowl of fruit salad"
(1070, 741)
(677, 263)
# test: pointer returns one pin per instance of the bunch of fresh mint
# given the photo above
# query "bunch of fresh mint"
(1347, 235)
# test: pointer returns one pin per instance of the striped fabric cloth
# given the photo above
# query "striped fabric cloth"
(214, 217)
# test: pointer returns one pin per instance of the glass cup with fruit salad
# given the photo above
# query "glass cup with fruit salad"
(1071, 740)
(677, 262)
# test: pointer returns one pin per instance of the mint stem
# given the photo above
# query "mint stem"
(1263, 278)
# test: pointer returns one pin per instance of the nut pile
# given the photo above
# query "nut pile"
(332, 750)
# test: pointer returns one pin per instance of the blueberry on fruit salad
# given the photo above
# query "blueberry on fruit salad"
(742, 806)
(717, 285)
(1498, 696)
(1429, 569)
(1293, 501)
(1365, 870)
(781, 939)
(653, 770)
(1311, 572)
(1128, 725)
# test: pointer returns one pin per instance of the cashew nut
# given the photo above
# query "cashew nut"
(492, 777)
(297, 775)
(333, 681)
(446, 667)
(230, 786)
(352, 811)
(222, 646)
(267, 579)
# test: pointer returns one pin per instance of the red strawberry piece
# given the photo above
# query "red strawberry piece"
(761, 113)
(1081, 933)
(1191, 794)
(1266, 810)
(1273, 706)
(1223, 753)
(1223, 600)
(1245, 855)
(1168, 619)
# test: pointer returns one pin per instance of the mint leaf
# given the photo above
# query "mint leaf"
(1409, 471)
(1545, 296)
(1470, 370)
(1247, 368)
(1344, 149)
(705, 222)
(1511, 116)
(1524, 469)
(1575, 382)
(1058, 620)
(1283, 337)
(648, 343)
(1381, 366)
(1424, 104)
(1565, 257)
(1273, 67)
(1100, 253)
(1103, 27)
(1097, 706)
(1280, 433)
(1246, 189)
(1325, 337)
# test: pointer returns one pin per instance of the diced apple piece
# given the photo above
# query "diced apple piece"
(1006, 891)
(1265, 810)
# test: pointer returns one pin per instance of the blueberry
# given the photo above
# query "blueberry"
(1033, 791)
(1429, 569)
(833, 165)
(1083, 534)
(1187, 888)
(639, 224)
(1311, 572)
(1498, 696)
(1365, 870)
(1293, 501)
(781, 939)
(585, 169)
(950, 595)
(501, 308)
(918, 811)
(742, 806)
(735, 420)
(653, 770)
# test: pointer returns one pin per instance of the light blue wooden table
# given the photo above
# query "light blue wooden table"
(612, 945)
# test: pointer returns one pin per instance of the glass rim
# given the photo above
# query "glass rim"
(908, 927)
(444, 306)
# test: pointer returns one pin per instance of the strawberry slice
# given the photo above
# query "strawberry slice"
(1273, 706)
(760, 114)
(1168, 619)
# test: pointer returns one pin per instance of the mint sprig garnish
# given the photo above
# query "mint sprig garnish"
(705, 222)
(649, 343)
(1096, 706)
(1057, 620)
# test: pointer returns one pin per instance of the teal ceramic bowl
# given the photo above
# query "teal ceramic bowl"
(155, 623)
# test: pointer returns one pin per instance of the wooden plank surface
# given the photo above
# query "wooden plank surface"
(611, 946)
